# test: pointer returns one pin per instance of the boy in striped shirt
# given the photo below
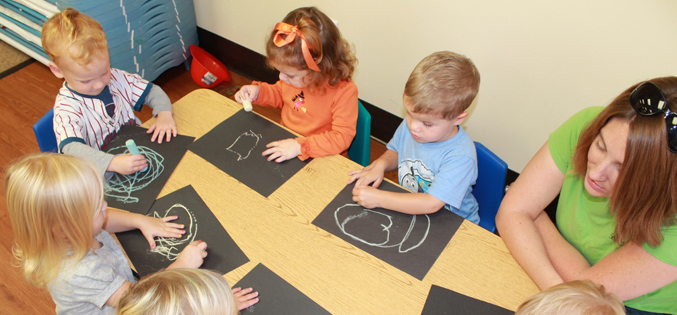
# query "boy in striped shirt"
(96, 100)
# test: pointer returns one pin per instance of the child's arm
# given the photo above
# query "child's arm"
(411, 203)
(113, 299)
(344, 112)
(374, 172)
(282, 150)
(120, 221)
(164, 126)
(245, 298)
(252, 91)
(191, 256)
(124, 164)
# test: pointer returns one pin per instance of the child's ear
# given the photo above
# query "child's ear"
(55, 70)
(460, 118)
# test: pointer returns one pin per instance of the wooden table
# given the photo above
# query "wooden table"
(277, 232)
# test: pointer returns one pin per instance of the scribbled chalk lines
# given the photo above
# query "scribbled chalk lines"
(386, 228)
(168, 246)
(249, 150)
(121, 186)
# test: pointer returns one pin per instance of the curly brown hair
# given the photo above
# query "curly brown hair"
(330, 51)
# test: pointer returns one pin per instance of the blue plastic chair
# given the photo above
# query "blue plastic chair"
(44, 132)
(360, 148)
(490, 186)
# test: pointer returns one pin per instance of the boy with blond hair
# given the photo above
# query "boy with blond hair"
(580, 297)
(434, 156)
(96, 100)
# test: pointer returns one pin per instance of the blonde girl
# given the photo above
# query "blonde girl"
(184, 291)
(578, 297)
(315, 92)
(61, 230)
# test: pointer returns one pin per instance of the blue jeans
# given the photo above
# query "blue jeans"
(634, 311)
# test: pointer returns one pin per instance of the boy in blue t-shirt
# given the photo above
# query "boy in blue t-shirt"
(434, 156)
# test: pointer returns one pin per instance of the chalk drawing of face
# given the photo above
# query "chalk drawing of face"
(169, 247)
(244, 144)
(379, 229)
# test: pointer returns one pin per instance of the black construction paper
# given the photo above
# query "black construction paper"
(276, 296)
(137, 192)
(199, 223)
(444, 301)
(411, 243)
(235, 147)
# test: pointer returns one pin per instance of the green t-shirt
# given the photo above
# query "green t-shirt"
(587, 223)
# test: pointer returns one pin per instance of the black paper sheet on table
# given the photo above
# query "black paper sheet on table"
(137, 192)
(445, 301)
(276, 296)
(235, 147)
(199, 222)
(411, 243)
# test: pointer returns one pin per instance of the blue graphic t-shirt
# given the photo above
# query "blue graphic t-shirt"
(446, 170)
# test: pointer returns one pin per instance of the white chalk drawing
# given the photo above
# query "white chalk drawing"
(121, 186)
(167, 246)
(364, 214)
(244, 144)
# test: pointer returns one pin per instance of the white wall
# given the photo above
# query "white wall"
(540, 61)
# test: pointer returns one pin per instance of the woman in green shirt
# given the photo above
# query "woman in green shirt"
(615, 169)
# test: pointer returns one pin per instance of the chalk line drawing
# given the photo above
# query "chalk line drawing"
(121, 186)
(364, 214)
(167, 246)
(239, 147)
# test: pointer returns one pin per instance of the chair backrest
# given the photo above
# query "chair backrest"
(44, 132)
(490, 186)
(360, 148)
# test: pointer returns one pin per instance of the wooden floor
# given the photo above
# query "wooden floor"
(25, 96)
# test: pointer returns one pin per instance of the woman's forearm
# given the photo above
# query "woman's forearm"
(520, 235)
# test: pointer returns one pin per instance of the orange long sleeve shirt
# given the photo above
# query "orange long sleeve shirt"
(327, 120)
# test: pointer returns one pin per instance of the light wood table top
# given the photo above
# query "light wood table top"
(277, 232)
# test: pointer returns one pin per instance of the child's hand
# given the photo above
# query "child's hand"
(370, 174)
(164, 126)
(152, 227)
(282, 150)
(251, 90)
(191, 257)
(366, 196)
(126, 164)
(245, 298)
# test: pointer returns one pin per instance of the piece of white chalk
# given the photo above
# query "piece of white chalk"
(133, 150)
(247, 103)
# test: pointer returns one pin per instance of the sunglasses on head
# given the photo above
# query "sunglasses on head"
(648, 100)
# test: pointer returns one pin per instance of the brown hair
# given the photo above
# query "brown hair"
(73, 33)
(444, 83)
(330, 51)
(573, 298)
(644, 196)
